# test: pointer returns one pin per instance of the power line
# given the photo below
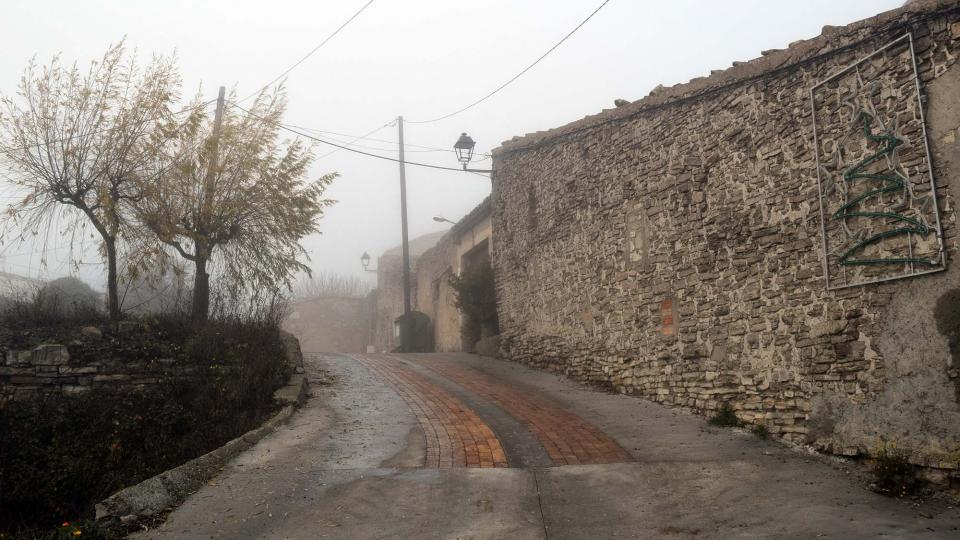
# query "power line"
(335, 150)
(340, 146)
(515, 77)
(10, 150)
(309, 54)
(368, 138)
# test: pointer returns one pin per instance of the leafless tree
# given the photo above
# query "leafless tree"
(323, 285)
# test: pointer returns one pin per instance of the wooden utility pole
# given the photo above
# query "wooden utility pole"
(405, 329)
(201, 247)
(208, 185)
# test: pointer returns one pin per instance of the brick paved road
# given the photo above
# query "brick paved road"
(458, 446)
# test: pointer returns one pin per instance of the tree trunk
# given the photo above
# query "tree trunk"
(201, 292)
(113, 298)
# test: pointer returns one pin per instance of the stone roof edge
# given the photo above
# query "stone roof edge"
(740, 72)
(472, 218)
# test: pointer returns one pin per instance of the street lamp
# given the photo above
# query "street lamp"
(464, 148)
(365, 262)
(439, 219)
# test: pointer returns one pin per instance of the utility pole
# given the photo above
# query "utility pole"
(405, 329)
(201, 279)
(208, 187)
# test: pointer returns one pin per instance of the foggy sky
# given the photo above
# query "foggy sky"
(416, 58)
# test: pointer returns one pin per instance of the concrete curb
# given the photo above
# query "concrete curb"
(151, 497)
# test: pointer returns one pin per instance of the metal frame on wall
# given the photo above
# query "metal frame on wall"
(910, 226)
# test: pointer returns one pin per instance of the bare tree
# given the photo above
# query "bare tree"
(248, 213)
(81, 141)
(325, 285)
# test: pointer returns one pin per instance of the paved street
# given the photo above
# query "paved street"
(459, 446)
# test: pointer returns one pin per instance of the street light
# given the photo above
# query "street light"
(439, 219)
(365, 262)
(464, 148)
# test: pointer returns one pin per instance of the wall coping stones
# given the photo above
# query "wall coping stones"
(826, 44)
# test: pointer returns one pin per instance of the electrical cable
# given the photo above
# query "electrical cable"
(515, 77)
(335, 150)
(342, 147)
(368, 138)
(309, 54)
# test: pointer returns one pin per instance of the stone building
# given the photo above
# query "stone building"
(433, 259)
(387, 299)
(466, 244)
(775, 236)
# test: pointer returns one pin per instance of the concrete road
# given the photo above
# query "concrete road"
(459, 446)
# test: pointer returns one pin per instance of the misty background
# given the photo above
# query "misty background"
(417, 58)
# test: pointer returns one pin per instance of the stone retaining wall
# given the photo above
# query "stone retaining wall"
(671, 248)
(46, 370)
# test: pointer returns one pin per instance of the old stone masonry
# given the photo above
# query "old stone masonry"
(780, 236)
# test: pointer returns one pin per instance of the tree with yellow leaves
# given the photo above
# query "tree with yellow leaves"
(78, 142)
(235, 198)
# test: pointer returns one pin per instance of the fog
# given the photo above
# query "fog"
(417, 58)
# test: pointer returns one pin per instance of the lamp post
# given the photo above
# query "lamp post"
(464, 148)
(440, 219)
(365, 262)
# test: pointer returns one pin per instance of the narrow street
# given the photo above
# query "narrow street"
(460, 446)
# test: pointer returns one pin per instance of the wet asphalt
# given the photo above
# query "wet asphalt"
(350, 464)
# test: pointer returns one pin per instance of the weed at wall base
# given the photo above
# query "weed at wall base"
(725, 416)
(894, 475)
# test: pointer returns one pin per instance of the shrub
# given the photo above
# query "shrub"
(761, 431)
(61, 302)
(893, 473)
(476, 298)
(724, 417)
(60, 455)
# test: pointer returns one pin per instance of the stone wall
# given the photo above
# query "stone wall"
(330, 324)
(671, 248)
(47, 369)
(388, 300)
(468, 239)
(435, 296)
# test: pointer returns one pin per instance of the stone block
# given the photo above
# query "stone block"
(74, 389)
(118, 377)
(828, 328)
(18, 358)
(84, 370)
(50, 355)
(91, 332)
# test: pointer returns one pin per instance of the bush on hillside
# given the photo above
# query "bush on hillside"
(63, 301)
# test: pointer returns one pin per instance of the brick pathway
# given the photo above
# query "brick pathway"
(567, 438)
(456, 436)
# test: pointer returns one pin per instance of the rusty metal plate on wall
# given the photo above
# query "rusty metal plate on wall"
(878, 207)
(667, 315)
